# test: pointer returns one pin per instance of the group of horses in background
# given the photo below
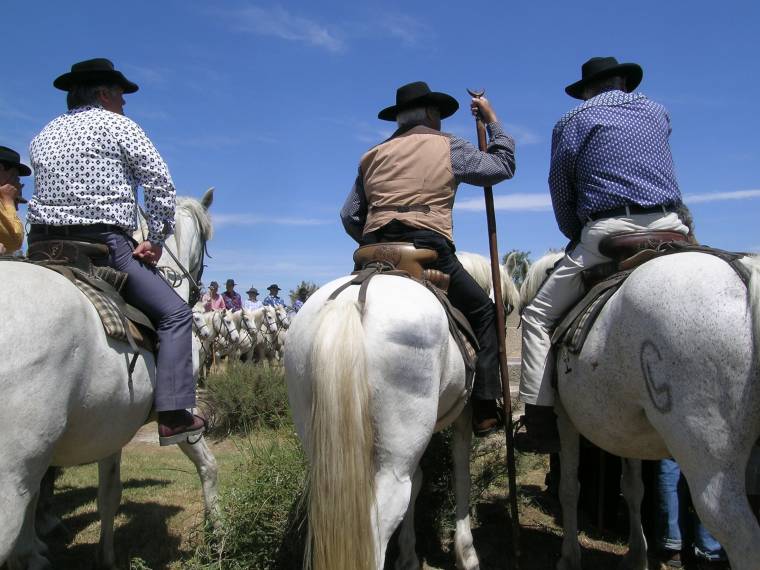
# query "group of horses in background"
(254, 336)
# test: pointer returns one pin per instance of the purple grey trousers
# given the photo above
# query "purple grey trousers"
(149, 292)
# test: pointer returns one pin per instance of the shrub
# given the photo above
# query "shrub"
(259, 510)
(247, 396)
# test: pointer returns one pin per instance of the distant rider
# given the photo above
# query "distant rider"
(87, 165)
(611, 172)
(405, 192)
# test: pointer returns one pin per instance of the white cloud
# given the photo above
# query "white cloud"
(720, 196)
(405, 28)
(522, 202)
(277, 22)
(228, 220)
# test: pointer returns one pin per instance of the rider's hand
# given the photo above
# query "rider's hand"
(2, 249)
(8, 194)
(148, 252)
(481, 106)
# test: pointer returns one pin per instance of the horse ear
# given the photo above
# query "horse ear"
(208, 198)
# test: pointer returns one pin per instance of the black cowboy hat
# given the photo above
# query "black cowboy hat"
(273, 286)
(13, 159)
(253, 290)
(230, 282)
(93, 72)
(418, 94)
(603, 67)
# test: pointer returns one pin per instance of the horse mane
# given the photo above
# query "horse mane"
(537, 274)
(195, 209)
(480, 269)
(189, 206)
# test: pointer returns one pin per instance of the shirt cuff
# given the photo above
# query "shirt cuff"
(495, 129)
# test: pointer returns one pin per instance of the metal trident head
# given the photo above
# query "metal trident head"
(476, 94)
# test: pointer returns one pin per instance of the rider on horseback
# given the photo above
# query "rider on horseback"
(611, 172)
(405, 192)
(87, 165)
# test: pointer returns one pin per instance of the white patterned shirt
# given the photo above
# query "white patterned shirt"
(88, 164)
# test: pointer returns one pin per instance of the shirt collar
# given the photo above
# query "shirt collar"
(611, 98)
(83, 109)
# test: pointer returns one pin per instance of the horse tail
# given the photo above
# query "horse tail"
(510, 294)
(341, 491)
(752, 263)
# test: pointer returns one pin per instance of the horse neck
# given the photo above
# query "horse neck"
(187, 246)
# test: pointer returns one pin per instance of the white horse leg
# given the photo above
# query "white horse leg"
(407, 558)
(568, 490)
(633, 491)
(205, 463)
(466, 557)
(30, 552)
(718, 494)
(109, 499)
(392, 494)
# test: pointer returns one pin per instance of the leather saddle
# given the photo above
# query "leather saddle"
(402, 256)
(628, 251)
(101, 285)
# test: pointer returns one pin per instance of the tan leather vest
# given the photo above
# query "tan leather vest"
(409, 178)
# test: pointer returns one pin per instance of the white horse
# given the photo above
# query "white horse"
(480, 269)
(70, 398)
(670, 368)
(283, 324)
(368, 388)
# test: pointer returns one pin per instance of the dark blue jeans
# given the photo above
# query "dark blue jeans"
(674, 518)
(149, 292)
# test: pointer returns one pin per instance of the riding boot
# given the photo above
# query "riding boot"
(487, 417)
(540, 434)
(176, 426)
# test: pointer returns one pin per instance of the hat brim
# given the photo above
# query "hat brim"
(446, 104)
(632, 73)
(22, 200)
(68, 80)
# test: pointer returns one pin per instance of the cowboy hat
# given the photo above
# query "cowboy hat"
(418, 94)
(253, 290)
(273, 286)
(94, 72)
(230, 282)
(11, 157)
(603, 67)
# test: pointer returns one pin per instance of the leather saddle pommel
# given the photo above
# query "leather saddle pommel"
(622, 246)
(400, 255)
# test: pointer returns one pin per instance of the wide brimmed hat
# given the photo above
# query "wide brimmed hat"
(93, 72)
(273, 286)
(253, 290)
(230, 282)
(10, 156)
(418, 94)
(603, 67)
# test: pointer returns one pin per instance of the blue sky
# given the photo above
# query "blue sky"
(274, 103)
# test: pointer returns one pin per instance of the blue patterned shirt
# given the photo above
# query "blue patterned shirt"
(469, 165)
(608, 152)
(273, 301)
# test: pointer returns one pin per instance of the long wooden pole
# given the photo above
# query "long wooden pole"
(501, 329)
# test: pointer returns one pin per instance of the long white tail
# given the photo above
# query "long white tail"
(341, 476)
(536, 276)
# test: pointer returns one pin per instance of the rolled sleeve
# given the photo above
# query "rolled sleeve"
(150, 171)
(472, 166)
(353, 214)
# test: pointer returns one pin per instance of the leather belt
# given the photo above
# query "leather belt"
(630, 209)
(424, 208)
(73, 230)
